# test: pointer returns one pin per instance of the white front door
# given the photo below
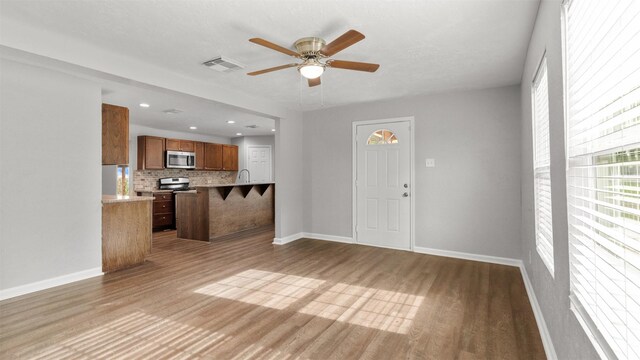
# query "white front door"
(259, 162)
(383, 189)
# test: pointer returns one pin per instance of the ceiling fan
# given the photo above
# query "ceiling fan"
(313, 51)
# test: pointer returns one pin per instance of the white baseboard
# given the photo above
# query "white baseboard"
(468, 256)
(302, 235)
(288, 239)
(549, 350)
(49, 283)
(340, 239)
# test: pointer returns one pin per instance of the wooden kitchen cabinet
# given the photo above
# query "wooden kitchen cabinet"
(115, 135)
(230, 157)
(199, 150)
(180, 145)
(150, 153)
(212, 156)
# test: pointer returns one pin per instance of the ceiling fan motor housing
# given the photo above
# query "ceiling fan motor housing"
(309, 46)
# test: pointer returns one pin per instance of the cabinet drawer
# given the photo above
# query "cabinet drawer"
(162, 220)
(160, 207)
(163, 197)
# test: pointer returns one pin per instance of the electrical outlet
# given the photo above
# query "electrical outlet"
(430, 163)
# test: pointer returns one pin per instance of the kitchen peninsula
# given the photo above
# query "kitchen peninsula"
(126, 231)
(212, 211)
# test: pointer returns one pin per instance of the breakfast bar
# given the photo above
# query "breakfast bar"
(212, 211)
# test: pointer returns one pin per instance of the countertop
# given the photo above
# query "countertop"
(109, 199)
(234, 184)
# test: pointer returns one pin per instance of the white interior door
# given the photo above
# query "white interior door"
(259, 162)
(383, 189)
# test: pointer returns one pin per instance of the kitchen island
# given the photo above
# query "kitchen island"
(126, 231)
(212, 211)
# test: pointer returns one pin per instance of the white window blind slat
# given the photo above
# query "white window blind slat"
(541, 166)
(603, 170)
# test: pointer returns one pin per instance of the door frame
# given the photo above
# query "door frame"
(247, 155)
(412, 176)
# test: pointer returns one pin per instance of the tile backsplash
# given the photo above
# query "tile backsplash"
(146, 180)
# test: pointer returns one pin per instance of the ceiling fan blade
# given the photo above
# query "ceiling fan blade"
(314, 82)
(353, 65)
(264, 71)
(275, 47)
(344, 41)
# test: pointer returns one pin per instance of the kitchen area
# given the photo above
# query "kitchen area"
(203, 185)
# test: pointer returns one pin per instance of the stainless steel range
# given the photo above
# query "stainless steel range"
(175, 184)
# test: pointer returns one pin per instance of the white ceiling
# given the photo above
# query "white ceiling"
(422, 46)
(209, 117)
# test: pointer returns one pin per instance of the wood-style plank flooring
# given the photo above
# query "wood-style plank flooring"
(242, 298)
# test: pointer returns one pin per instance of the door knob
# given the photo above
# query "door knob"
(406, 194)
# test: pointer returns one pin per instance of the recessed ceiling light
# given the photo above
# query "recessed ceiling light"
(273, 129)
(238, 134)
(230, 122)
(144, 105)
(193, 128)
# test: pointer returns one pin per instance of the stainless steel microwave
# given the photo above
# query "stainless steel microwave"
(181, 160)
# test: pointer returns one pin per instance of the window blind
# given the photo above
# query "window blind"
(541, 165)
(603, 146)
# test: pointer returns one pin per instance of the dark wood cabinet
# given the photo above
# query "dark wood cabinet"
(199, 150)
(209, 156)
(172, 144)
(187, 145)
(212, 156)
(180, 145)
(230, 157)
(115, 135)
(151, 153)
(163, 210)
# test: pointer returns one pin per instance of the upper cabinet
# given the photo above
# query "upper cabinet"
(230, 157)
(199, 150)
(180, 145)
(115, 135)
(209, 156)
(150, 153)
(212, 156)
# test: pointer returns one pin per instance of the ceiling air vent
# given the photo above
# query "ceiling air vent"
(172, 111)
(223, 64)
(252, 126)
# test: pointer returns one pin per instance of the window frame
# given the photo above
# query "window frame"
(548, 262)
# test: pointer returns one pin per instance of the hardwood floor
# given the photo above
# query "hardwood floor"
(242, 297)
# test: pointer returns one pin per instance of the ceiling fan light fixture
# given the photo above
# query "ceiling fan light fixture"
(311, 69)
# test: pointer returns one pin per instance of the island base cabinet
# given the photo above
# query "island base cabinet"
(126, 234)
(217, 211)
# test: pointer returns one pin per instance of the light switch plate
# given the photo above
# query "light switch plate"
(430, 162)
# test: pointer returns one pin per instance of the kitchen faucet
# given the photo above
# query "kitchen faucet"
(248, 175)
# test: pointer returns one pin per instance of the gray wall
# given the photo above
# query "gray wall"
(290, 187)
(50, 193)
(569, 339)
(470, 202)
(109, 179)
